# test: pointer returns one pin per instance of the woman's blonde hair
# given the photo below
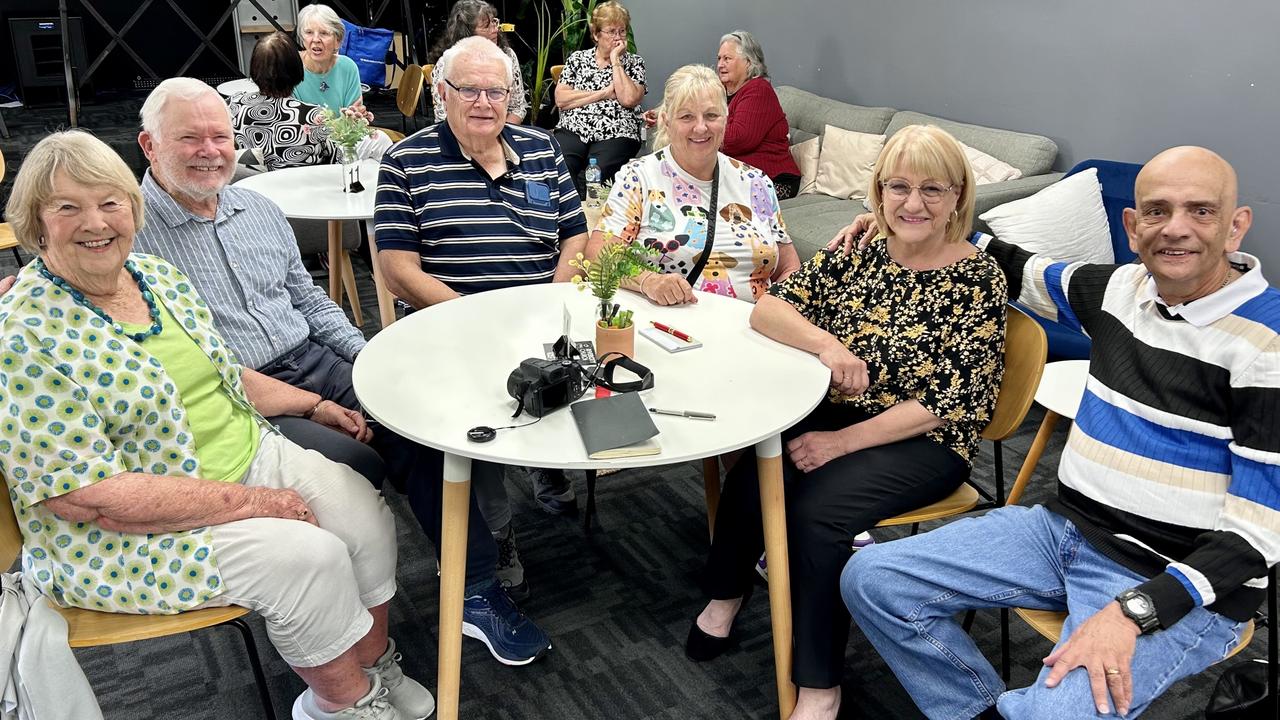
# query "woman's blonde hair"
(609, 13)
(85, 160)
(685, 84)
(928, 151)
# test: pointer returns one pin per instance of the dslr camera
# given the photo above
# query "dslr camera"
(541, 386)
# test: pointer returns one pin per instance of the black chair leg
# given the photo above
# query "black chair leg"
(1004, 644)
(1273, 652)
(17, 257)
(967, 623)
(999, 462)
(591, 502)
(246, 633)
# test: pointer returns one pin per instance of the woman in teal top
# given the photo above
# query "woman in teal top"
(331, 80)
(142, 472)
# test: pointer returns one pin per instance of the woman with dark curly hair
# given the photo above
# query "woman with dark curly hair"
(477, 17)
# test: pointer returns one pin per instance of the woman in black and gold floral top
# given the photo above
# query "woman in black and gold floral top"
(913, 331)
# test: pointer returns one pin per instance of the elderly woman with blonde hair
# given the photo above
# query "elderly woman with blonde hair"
(912, 329)
(140, 466)
(713, 220)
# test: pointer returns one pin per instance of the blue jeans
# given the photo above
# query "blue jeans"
(905, 595)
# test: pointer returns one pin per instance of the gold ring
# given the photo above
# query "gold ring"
(1113, 671)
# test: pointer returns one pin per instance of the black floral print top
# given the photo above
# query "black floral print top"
(934, 336)
(604, 119)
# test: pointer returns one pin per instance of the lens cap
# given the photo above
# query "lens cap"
(481, 434)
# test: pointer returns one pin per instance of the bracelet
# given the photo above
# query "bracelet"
(308, 414)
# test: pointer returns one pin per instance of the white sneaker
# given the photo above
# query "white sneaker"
(374, 706)
(408, 696)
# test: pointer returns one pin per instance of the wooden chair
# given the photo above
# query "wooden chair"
(429, 104)
(8, 241)
(1025, 349)
(555, 73)
(88, 628)
(408, 94)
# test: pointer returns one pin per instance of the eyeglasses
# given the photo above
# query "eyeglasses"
(486, 24)
(930, 192)
(472, 94)
(614, 32)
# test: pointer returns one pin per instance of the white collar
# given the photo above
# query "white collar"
(1218, 304)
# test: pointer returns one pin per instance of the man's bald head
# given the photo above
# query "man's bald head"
(1195, 164)
(1185, 222)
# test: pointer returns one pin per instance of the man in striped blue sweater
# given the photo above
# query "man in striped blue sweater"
(1168, 509)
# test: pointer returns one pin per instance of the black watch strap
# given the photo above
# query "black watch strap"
(1140, 608)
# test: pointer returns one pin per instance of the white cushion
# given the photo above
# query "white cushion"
(846, 162)
(988, 169)
(1065, 221)
(806, 156)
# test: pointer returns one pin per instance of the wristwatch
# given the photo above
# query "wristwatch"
(1138, 607)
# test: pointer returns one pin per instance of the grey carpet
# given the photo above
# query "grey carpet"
(617, 604)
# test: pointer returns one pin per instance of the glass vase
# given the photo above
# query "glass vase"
(350, 169)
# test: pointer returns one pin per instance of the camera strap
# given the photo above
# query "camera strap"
(712, 214)
(618, 360)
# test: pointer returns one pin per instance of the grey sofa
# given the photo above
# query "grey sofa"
(812, 220)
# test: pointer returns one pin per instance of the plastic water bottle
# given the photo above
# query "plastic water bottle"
(595, 191)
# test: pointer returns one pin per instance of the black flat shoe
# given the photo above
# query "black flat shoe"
(701, 647)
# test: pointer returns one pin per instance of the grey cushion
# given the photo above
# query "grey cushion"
(1032, 154)
(811, 113)
(812, 220)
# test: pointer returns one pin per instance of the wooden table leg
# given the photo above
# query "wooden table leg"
(711, 485)
(349, 285)
(455, 512)
(774, 511)
(386, 301)
(335, 261)
(1033, 456)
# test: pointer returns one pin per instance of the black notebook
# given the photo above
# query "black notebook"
(617, 426)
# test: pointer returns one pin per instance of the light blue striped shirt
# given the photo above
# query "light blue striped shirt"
(245, 263)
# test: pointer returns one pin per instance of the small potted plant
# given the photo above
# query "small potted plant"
(346, 130)
(615, 332)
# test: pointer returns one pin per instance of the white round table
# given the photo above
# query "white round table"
(315, 192)
(442, 370)
(231, 87)
(1060, 391)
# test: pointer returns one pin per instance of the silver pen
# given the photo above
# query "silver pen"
(684, 413)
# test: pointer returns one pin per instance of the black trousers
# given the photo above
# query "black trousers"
(825, 509)
(610, 156)
(315, 367)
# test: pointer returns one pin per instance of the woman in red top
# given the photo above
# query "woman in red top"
(757, 132)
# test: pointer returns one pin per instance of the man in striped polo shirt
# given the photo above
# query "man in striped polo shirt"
(1168, 509)
(469, 205)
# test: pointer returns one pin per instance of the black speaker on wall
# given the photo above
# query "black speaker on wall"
(37, 50)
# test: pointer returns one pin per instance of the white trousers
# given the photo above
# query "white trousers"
(311, 584)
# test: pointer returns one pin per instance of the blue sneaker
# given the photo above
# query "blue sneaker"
(494, 620)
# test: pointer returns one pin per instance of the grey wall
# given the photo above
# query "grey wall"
(1115, 79)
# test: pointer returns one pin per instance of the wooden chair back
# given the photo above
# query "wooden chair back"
(555, 72)
(1025, 351)
(10, 535)
(409, 91)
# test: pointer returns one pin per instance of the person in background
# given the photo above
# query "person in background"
(330, 80)
(598, 93)
(143, 473)
(757, 132)
(664, 200)
(281, 130)
(913, 331)
(477, 17)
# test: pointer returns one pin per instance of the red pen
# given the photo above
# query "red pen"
(671, 331)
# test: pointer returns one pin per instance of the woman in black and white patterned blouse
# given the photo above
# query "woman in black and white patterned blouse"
(282, 130)
(598, 94)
